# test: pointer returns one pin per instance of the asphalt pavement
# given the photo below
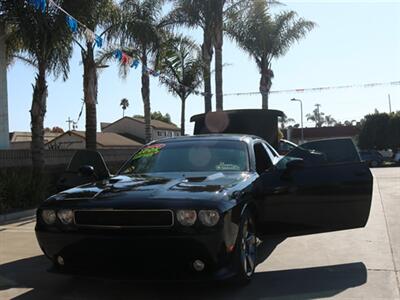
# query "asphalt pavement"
(353, 264)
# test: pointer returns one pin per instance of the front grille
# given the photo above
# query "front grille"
(124, 218)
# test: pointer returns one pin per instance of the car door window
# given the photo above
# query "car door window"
(263, 161)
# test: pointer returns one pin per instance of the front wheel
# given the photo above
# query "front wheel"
(246, 249)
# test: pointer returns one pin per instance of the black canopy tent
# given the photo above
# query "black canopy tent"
(260, 122)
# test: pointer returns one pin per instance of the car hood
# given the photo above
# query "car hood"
(125, 190)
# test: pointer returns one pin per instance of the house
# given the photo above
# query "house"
(134, 128)
(22, 139)
(105, 140)
(318, 133)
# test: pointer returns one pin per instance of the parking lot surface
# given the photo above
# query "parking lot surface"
(354, 264)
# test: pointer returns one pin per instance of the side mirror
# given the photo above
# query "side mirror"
(86, 171)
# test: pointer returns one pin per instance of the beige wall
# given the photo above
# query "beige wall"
(133, 127)
(125, 126)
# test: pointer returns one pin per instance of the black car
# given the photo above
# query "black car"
(372, 157)
(285, 146)
(200, 204)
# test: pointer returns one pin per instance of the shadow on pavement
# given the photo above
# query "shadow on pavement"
(316, 282)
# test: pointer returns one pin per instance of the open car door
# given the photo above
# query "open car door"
(318, 187)
(85, 166)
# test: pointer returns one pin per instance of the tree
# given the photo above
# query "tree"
(199, 13)
(95, 14)
(55, 129)
(140, 33)
(157, 115)
(317, 116)
(124, 104)
(160, 117)
(265, 37)
(394, 129)
(284, 121)
(330, 121)
(375, 133)
(47, 46)
(181, 61)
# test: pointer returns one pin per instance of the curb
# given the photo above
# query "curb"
(17, 216)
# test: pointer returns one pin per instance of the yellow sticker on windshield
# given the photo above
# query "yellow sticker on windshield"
(149, 151)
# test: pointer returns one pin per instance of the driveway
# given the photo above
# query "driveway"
(354, 264)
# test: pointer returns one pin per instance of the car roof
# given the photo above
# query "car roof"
(217, 136)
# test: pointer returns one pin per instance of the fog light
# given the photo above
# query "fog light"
(66, 216)
(198, 265)
(60, 260)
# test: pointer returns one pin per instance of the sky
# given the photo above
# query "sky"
(355, 42)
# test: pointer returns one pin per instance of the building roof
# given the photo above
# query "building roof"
(103, 125)
(106, 139)
(26, 136)
(156, 124)
(325, 132)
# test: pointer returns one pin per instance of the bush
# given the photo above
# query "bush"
(380, 131)
(19, 190)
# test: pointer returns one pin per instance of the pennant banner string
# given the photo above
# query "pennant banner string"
(126, 59)
(122, 57)
(317, 89)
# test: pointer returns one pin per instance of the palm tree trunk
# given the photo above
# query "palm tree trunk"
(207, 53)
(38, 111)
(90, 96)
(146, 98)
(265, 86)
(218, 42)
(183, 108)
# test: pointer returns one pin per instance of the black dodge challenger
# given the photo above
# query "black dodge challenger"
(202, 203)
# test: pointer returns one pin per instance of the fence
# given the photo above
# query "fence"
(23, 158)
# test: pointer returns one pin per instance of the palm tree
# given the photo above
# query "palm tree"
(47, 45)
(266, 37)
(181, 61)
(124, 104)
(284, 120)
(199, 13)
(330, 121)
(140, 32)
(317, 117)
(94, 14)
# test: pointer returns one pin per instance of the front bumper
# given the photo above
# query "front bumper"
(146, 255)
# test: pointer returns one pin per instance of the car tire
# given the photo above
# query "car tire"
(245, 255)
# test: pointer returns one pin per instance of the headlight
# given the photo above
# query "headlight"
(186, 217)
(49, 216)
(209, 217)
(66, 216)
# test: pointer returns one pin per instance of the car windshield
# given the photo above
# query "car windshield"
(189, 156)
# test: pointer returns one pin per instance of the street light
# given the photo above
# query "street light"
(301, 111)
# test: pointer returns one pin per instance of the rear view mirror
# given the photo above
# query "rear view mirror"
(86, 171)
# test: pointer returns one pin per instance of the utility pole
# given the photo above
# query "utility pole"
(69, 121)
(390, 104)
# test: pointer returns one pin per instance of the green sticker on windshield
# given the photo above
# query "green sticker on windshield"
(149, 151)
(227, 167)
